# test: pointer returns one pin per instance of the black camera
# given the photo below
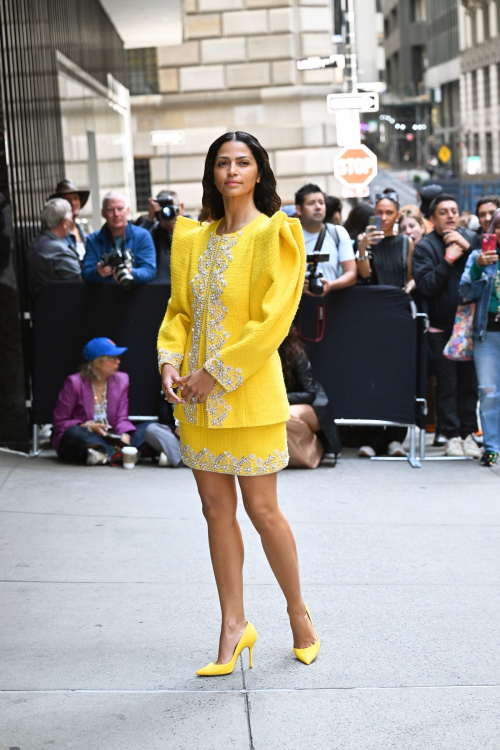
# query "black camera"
(313, 274)
(121, 261)
(168, 210)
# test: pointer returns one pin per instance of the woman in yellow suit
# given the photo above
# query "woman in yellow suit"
(236, 285)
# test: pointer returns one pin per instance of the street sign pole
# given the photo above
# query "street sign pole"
(167, 138)
(348, 130)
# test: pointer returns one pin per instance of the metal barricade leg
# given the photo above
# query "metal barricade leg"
(412, 455)
(35, 450)
(421, 452)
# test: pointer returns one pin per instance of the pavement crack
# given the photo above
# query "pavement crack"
(247, 705)
(5, 479)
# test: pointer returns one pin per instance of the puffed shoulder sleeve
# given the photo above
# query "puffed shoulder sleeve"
(277, 278)
(174, 330)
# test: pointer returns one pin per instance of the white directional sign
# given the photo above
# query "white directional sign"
(364, 101)
(317, 63)
(167, 137)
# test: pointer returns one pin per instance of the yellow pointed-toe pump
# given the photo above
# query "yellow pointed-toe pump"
(247, 640)
(308, 655)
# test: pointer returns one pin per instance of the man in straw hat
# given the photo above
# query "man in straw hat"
(77, 199)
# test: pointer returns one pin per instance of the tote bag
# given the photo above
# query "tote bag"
(460, 345)
(304, 447)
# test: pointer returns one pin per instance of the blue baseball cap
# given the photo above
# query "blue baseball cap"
(102, 347)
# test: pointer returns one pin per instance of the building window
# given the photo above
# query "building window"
(475, 146)
(473, 27)
(486, 21)
(418, 11)
(489, 153)
(474, 89)
(142, 69)
(142, 183)
(486, 87)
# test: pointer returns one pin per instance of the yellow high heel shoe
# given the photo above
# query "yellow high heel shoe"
(308, 655)
(247, 640)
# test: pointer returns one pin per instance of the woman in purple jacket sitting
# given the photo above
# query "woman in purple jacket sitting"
(92, 402)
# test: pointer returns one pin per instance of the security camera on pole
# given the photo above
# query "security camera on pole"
(355, 166)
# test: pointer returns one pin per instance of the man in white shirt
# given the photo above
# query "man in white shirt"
(339, 271)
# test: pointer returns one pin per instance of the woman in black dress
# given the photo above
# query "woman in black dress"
(384, 259)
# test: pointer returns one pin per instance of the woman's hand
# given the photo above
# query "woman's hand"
(486, 259)
(410, 286)
(372, 237)
(171, 379)
(125, 438)
(197, 386)
(96, 427)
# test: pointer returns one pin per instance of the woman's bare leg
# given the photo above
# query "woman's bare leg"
(261, 503)
(219, 502)
(306, 413)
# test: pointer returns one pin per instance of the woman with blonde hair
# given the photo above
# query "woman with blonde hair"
(93, 402)
(411, 223)
(236, 285)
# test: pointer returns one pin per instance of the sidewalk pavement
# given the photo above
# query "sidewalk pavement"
(109, 607)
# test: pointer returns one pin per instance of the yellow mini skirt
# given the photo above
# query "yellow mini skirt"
(240, 451)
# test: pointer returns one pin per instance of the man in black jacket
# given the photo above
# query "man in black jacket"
(162, 230)
(438, 262)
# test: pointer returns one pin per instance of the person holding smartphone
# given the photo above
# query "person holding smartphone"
(480, 283)
(438, 263)
(384, 258)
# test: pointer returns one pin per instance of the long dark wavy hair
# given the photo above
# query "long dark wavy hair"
(291, 349)
(265, 197)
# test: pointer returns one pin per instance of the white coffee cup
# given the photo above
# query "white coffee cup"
(129, 457)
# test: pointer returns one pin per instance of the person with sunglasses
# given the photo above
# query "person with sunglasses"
(384, 257)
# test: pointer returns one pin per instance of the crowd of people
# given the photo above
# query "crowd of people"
(442, 258)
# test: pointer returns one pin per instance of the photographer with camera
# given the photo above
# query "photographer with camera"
(335, 267)
(160, 221)
(119, 252)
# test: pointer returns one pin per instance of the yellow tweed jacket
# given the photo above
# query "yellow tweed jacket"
(233, 300)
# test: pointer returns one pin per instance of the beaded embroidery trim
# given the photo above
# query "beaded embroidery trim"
(229, 377)
(208, 285)
(225, 463)
(166, 357)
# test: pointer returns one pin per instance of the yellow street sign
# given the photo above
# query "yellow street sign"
(444, 154)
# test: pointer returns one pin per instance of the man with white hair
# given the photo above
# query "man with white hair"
(118, 235)
(50, 258)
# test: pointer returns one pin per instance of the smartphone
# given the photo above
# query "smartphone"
(489, 243)
(376, 221)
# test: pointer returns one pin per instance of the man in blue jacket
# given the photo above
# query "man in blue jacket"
(118, 233)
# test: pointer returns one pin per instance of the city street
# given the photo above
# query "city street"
(109, 607)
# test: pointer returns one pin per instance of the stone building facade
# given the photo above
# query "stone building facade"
(236, 70)
(480, 83)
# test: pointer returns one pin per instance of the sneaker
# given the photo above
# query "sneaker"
(489, 458)
(471, 448)
(439, 440)
(96, 458)
(395, 449)
(454, 447)
(164, 460)
(366, 451)
(330, 456)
